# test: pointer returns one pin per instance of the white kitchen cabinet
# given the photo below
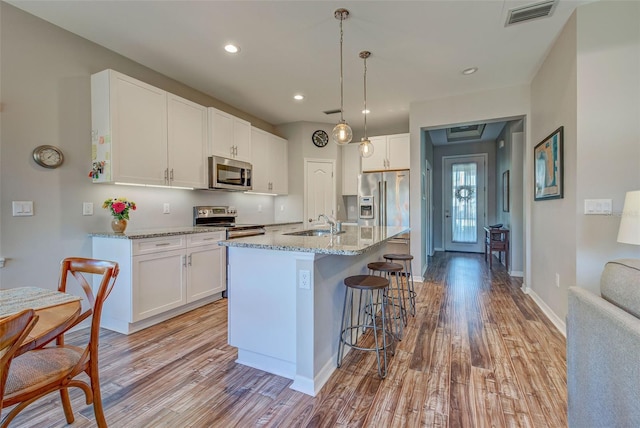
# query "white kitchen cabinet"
(160, 283)
(269, 158)
(229, 136)
(144, 135)
(161, 277)
(390, 152)
(206, 265)
(187, 143)
(350, 168)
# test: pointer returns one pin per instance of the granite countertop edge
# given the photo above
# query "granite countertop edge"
(157, 233)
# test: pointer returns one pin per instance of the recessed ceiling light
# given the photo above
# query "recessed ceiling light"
(232, 48)
(298, 97)
(367, 111)
(468, 71)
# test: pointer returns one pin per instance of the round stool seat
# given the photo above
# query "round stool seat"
(398, 256)
(366, 282)
(385, 266)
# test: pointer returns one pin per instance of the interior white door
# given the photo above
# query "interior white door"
(464, 201)
(320, 189)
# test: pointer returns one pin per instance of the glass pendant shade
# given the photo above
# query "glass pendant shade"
(366, 148)
(342, 133)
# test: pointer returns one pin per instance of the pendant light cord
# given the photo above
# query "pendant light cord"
(365, 98)
(341, 78)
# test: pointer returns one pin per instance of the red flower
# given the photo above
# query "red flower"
(118, 207)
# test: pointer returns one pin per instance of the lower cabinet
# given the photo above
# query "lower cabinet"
(161, 277)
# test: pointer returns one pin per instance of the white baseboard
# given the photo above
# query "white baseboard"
(556, 320)
(438, 249)
(517, 273)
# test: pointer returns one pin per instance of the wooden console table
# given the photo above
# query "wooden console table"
(496, 240)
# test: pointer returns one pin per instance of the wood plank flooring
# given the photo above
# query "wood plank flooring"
(479, 353)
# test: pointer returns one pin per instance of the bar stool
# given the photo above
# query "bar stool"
(372, 292)
(407, 273)
(395, 294)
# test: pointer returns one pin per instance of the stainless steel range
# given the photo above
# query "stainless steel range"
(223, 216)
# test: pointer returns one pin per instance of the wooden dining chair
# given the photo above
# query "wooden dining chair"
(13, 330)
(39, 372)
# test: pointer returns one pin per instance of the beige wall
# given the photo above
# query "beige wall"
(608, 134)
(553, 237)
(45, 83)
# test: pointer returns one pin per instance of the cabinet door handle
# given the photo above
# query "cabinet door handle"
(163, 244)
(231, 150)
(208, 239)
(184, 261)
(189, 259)
(171, 175)
(166, 175)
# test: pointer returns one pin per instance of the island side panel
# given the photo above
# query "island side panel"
(262, 308)
(329, 274)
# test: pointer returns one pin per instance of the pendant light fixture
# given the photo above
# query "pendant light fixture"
(366, 148)
(342, 133)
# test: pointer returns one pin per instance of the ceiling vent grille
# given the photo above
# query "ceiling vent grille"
(331, 111)
(530, 12)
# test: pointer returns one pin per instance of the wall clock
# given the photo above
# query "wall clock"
(320, 138)
(48, 156)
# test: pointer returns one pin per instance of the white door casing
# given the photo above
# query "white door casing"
(473, 219)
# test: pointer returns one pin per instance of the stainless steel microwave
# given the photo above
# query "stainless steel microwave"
(229, 174)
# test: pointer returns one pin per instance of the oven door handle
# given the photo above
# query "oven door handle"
(244, 233)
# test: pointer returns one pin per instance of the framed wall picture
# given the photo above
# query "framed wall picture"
(505, 191)
(548, 167)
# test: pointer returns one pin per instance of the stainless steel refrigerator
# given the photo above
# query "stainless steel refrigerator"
(383, 198)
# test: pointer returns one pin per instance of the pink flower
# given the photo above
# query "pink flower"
(118, 207)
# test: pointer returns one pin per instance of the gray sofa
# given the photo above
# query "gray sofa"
(603, 350)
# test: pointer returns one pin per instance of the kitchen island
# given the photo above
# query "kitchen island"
(285, 298)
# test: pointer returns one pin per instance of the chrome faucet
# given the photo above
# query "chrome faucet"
(332, 223)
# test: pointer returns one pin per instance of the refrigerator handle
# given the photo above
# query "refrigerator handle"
(378, 221)
(385, 204)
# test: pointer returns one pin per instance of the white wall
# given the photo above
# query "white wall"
(608, 132)
(45, 82)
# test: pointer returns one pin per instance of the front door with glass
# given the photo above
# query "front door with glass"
(464, 202)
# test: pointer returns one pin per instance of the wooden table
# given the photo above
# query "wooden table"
(496, 240)
(57, 312)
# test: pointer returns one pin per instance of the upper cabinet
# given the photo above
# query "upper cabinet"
(144, 135)
(269, 159)
(350, 168)
(390, 152)
(229, 136)
(187, 125)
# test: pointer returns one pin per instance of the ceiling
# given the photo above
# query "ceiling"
(418, 50)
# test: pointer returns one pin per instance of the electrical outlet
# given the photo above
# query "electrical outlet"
(558, 280)
(22, 208)
(166, 208)
(304, 279)
(87, 208)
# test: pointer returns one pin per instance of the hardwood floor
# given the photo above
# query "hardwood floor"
(478, 353)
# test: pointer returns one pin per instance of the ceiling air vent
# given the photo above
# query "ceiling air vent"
(332, 111)
(530, 12)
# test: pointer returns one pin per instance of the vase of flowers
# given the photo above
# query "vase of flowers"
(119, 209)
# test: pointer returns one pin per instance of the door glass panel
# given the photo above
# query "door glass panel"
(464, 209)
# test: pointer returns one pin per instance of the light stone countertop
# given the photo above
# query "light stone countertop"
(157, 233)
(355, 240)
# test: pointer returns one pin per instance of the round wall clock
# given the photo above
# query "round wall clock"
(320, 138)
(48, 156)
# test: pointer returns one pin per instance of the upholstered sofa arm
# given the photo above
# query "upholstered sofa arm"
(603, 363)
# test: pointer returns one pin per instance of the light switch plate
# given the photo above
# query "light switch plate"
(22, 208)
(597, 206)
(87, 208)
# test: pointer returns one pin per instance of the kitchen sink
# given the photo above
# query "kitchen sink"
(313, 232)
